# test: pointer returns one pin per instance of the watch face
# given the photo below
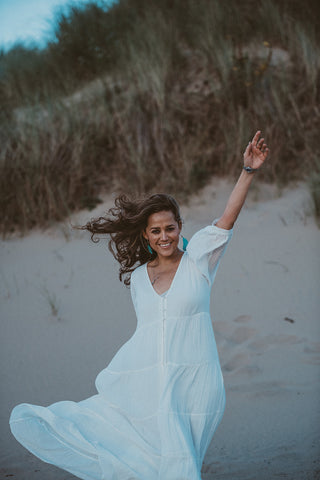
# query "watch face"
(249, 169)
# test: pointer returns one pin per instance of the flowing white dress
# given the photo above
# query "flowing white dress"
(161, 397)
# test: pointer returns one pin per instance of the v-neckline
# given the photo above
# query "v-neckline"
(164, 294)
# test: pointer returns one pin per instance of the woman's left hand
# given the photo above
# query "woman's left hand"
(256, 152)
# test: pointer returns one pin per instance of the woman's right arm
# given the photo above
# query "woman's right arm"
(254, 156)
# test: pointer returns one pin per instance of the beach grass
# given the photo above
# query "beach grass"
(151, 95)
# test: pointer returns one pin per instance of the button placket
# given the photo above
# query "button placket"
(164, 314)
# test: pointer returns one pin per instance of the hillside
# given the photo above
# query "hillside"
(153, 95)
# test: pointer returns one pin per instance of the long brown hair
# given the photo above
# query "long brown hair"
(125, 223)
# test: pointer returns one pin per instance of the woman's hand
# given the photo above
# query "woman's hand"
(256, 152)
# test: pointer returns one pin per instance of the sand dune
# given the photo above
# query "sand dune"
(64, 315)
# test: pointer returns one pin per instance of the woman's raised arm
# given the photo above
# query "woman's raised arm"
(254, 156)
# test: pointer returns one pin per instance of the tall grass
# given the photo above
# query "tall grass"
(153, 95)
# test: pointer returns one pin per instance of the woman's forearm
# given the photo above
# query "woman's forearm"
(236, 201)
(253, 157)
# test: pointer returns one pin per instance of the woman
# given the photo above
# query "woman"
(162, 396)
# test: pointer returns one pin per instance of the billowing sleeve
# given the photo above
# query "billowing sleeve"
(207, 247)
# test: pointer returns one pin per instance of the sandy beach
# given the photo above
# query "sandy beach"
(64, 315)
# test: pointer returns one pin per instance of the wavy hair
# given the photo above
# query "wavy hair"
(125, 223)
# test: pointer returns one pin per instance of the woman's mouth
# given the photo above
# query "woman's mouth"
(164, 245)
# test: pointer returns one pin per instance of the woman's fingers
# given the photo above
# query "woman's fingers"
(256, 137)
(248, 148)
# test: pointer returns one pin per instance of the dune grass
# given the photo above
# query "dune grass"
(151, 96)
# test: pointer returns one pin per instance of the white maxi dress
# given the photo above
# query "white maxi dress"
(161, 397)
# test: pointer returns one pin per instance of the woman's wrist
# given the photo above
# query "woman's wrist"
(246, 176)
(248, 169)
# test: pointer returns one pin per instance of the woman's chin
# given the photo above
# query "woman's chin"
(166, 251)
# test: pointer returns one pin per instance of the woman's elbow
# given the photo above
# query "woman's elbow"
(225, 223)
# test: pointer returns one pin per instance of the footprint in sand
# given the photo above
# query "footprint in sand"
(268, 388)
(243, 319)
(250, 370)
(242, 334)
(262, 344)
(313, 347)
(237, 361)
(210, 468)
(284, 339)
(239, 335)
(313, 351)
(230, 339)
(312, 361)
(224, 329)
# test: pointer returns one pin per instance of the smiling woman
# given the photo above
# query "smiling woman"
(162, 396)
(162, 234)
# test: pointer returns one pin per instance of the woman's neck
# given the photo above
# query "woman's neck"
(162, 260)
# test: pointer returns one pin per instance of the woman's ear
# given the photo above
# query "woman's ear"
(144, 235)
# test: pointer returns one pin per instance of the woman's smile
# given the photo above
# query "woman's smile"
(165, 246)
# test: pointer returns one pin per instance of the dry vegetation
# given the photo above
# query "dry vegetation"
(155, 95)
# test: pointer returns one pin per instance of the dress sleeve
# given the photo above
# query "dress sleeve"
(206, 248)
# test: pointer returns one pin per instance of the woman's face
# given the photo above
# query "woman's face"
(162, 233)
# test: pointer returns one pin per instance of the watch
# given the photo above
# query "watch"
(249, 169)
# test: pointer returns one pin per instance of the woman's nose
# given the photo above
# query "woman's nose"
(164, 235)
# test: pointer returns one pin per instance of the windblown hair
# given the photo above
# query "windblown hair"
(125, 224)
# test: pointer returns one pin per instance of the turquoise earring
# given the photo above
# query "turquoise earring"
(149, 249)
(184, 243)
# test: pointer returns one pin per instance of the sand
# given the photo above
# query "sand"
(64, 315)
